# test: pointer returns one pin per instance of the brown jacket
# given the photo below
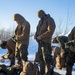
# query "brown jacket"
(71, 37)
(22, 33)
(45, 29)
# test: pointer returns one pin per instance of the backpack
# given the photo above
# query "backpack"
(30, 68)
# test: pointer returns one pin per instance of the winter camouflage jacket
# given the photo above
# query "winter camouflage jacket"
(71, 37)
(45, 29)
(22, 31)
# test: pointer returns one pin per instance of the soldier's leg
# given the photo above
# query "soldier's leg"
(17, 54)
(49, 66)
(69, 68)
(42, 67)
(36, 57)
(69, 64)
(19, 60)
(12, 61)
(47, 58)
(23, 55)
(12, 57)
(41, 61)
(24, 52)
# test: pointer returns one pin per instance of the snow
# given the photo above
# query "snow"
(68, 33)
(55, 44)
(32, 49)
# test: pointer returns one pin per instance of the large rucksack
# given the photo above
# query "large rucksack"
(30, 68)
(14, 70)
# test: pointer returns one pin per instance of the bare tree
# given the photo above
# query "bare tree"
(63, 26)
(6, 34)
(32, 34)
(68, 22)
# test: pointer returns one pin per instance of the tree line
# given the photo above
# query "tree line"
(5, 34)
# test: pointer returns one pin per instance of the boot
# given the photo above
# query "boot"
(68, 70)
(47, 69)
(42, 68)
(12, 61)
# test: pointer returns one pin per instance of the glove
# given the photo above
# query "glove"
(39, 37)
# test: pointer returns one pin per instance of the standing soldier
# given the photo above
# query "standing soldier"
(70, 57)
(43, 35)
(21, 37)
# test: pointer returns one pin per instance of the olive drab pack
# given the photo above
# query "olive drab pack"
(30, 68)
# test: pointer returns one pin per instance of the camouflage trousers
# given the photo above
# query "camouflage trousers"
(21, 53)
(44, 51)
(70, 60)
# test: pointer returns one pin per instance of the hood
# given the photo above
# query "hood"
(18, 17)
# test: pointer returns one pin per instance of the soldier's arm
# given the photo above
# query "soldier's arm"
(50, 29)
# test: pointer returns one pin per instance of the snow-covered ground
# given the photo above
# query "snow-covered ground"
(33, 47)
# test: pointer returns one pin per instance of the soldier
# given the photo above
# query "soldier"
(21, 37)
(61, 40)
(10, 45)
(70, 57)
(13, 70)
(43, 35)
(30, 68)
